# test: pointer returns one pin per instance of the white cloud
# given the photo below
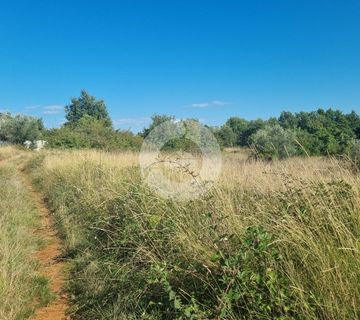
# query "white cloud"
(219, 103)
(52, 109)
(200, 105)
(50, 112)
(132, 121)
(214, 103)
(32, 107)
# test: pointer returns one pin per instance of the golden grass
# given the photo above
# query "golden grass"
(310, 206)
(21, 288)
(8, 152)
(17, 244)
(67, 158)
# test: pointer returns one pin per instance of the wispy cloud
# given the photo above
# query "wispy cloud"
(32, 107)
(200, 105)
(132, 121)
(52, 109)
(220, 103)
(214, 103)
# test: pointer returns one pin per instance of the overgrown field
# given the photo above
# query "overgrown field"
(21, 289)
(271, 241)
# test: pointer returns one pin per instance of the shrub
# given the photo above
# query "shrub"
(354, 154)
(274, 142)
(20, 128)
(91, 133)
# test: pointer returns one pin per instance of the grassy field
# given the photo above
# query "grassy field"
(270, 241)
(21, 288)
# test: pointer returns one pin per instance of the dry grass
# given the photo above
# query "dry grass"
(8, 152)
(21, 288)
(65, 159)
(111, 222)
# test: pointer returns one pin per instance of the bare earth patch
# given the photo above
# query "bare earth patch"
(52, 266)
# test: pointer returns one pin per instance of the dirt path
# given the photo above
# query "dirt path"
(52, 266)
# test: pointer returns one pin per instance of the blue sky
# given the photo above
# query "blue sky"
(201, 58)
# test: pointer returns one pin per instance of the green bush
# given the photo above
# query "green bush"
(17, 129)
(91, 133)
(354, 154)
(274, 142)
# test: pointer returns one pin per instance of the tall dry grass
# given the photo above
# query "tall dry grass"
(270, 241)
(21, 289)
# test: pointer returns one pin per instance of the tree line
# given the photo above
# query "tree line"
(320, 132)
(88, 125)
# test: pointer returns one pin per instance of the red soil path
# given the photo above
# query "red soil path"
(52, 266)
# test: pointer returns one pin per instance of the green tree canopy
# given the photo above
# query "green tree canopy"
(17, 129)
(91, 133)
(89, 106)
(226, 136)
(275, 142)
(238, 127)
(156, 120)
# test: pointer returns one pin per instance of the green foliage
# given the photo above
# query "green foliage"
(354, 154)
(88, 132)
(187, 137)
(87, 105)
(250, 284)
(43, 292)
(244, 129)
(239, 127)
(17, 129)
(66, 138)
(156, 121)
(274, 142)
(318, 133)
(226, 136)
(354, 122)
(330, 129)
(245, 281)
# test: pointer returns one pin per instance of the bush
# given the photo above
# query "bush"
(20, 128)
(274, 142)
(354, 154)
(91, 133)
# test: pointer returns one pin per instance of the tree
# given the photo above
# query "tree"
(92, 133)
(287, 120)
(274, 142)
(156, 121)
(252, 128)
(87, 105)
(226, 136)
(20, 128)
(354, 122)
(239, 127)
